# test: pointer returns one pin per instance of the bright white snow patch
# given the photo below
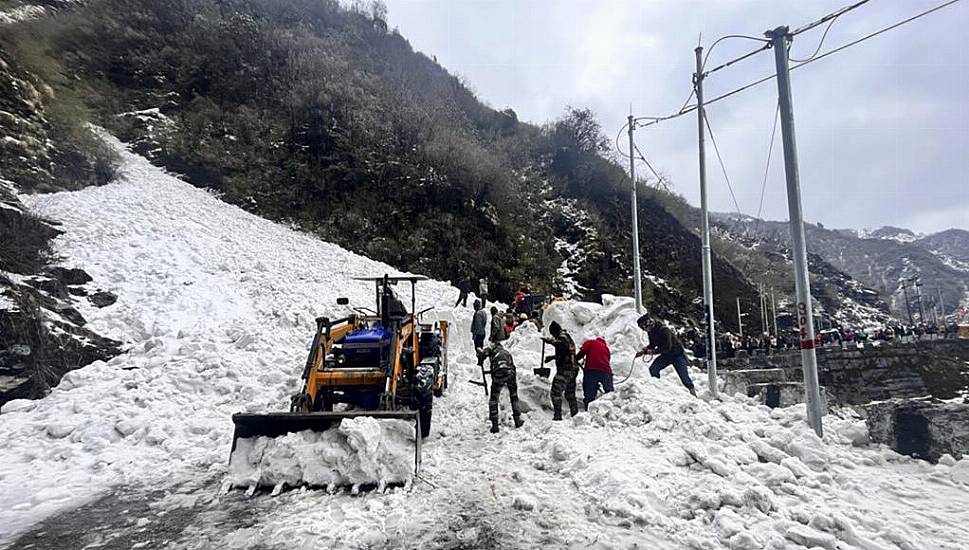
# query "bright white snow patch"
(359, 451)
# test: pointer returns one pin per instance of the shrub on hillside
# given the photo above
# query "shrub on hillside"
(24, 242)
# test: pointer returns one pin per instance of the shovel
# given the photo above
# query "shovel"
(542, 371)
(484, 380)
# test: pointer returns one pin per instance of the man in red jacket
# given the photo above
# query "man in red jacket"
(597, 370)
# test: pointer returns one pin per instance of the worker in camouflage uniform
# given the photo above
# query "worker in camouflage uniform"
(503, 375)
(497, 331)
(566, 370)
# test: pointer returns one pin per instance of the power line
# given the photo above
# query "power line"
(656, 120)
(831, 16)
(723, 167)
(770, 150)
(816, 50)
(731, 62)
(618, 148)
(763, 187)
(815, 57)
(876, 33)
(661, 180)
(766, 46)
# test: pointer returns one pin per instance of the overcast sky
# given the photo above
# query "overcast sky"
(882, 127)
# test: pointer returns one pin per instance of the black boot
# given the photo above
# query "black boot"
(494, 426)
(519, 422)
(558, 415)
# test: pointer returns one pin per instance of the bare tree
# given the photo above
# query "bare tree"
(378, 10)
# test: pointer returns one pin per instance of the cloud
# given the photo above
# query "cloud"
(882, 127)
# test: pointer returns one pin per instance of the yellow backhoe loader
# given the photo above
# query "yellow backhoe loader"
(384, 363)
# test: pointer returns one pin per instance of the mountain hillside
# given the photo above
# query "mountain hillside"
(882, 262)
(319, 116)
(44, 146)
(950, 246)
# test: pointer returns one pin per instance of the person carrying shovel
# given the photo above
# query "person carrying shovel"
(503, 375)
(566, 370)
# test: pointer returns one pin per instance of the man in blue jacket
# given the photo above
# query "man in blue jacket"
(662, 340)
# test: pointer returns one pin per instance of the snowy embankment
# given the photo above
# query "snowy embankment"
(217, 307)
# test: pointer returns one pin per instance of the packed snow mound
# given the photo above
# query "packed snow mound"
(614, 320)
(733, 473)
(360, 451)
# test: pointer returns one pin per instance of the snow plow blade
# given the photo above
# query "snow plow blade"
(250, 425)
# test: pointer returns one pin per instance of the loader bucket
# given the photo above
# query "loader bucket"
(248, 425)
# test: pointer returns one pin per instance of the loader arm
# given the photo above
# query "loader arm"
(397, 368)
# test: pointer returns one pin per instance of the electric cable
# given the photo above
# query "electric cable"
(650, 121)
(661, 180)
(770, 150)
(723, 167)
(830, 16)
(752, 53)
(619, 149)
(763, 187)
(878, 32)
(816, 50)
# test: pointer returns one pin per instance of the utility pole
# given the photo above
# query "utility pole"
(941, 305)
(705, 231)
(773, 308)
(908, 304)
(740, 320)
(637, 279)
(763, 310)
(918, 297)
(812, 392)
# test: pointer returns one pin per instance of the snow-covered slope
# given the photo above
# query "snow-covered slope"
(217, 306)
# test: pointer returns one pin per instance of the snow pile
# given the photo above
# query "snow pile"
(216, 307)
(734, 474)
(360, 451)
(614, 320)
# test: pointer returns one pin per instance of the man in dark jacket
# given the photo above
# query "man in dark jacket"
(463, 287)
(596, 371)
(496, 330)
(479, 325)
(503, 375)
(566, 370)
(662, 340)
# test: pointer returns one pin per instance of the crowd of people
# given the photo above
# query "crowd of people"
(728, 344)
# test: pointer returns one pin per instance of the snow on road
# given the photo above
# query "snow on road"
(217, 308)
